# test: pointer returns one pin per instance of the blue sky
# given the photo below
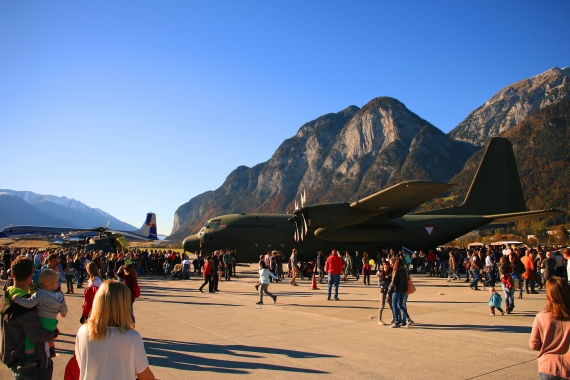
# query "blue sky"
(139, 106)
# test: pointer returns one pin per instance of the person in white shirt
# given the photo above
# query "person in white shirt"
(186, 268)
(264, 274)
(108, 346)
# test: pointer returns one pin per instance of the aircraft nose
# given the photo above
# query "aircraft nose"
(191, 243)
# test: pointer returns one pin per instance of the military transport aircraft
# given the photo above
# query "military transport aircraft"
(94, 238)
(381, 220)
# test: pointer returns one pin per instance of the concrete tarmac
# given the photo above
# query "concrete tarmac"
(193, 335)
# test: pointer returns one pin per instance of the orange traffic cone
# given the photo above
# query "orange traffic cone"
(314, 286)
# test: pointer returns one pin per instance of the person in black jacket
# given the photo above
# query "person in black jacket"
(399, 286)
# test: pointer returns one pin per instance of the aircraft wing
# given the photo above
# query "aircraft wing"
(39, 232)
(130, 235)
(519, 216)
(401, 198)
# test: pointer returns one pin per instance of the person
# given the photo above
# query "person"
(566, 254)
(348, 268)
(129, 276)
(227, 259)
(294, 267)
(489, 270)
(399, 287)
(108, 346)
(495, 301)
(264, 282)
(69, 272)
(549, 266)
(93, 285)
(207, 274)
(53, 264)
(452, 268)
(333, 266)
(384, 279)
(529, 276)
(215, 268)
(366, 267)
(431, 262)
(550, 334)
(507, 283)
(475, 268)
(50, 302)
(20, 323)
(186, 268)
(321, 266)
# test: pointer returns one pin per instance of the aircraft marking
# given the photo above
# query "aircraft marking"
(429, 229)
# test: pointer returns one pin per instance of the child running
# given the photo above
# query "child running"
(495, 301)
(264, 274)
(49, 302)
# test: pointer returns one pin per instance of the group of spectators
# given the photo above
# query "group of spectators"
(106, 345)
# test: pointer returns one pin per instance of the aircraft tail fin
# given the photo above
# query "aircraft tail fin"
(148, 229)
(496, 188)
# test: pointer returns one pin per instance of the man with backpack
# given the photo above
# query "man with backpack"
(19, 322)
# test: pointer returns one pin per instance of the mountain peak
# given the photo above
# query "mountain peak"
(512, 105)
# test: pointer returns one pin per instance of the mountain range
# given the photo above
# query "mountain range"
(356, 152)
(28, 208)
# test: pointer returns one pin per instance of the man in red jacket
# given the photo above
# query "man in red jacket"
(333, 267)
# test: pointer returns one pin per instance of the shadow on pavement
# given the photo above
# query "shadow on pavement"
(419, 301)
(509, 329)
(185, 356)
(188, 302)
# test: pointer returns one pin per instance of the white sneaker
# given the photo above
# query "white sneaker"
(492, 315)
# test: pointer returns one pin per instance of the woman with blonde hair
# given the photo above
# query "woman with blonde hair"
(550, 334)
(108, 346)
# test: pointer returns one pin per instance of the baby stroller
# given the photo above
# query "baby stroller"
(177, 272)
(306, 270)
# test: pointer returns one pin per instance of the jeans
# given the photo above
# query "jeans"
(78, 277)
(475, 276)
(383, 298)
(186, 272)
(167, 270)
(545, 376)
(399, 307)
(333, 279)
(34, 373)
(509, 296)
(228, 272)
(490, 278)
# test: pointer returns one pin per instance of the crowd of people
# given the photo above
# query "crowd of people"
(34, 298)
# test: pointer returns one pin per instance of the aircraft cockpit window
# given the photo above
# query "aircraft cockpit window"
(207, 225)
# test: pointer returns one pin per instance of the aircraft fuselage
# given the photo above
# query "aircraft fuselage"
(253, 235)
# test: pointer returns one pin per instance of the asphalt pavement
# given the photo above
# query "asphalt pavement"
(189, 334)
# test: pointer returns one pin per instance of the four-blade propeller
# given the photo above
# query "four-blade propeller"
(300, 219)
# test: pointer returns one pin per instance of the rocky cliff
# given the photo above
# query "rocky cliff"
(512, 105)
(541, 146)
(337, 157)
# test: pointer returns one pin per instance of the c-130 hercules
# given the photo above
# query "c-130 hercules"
(381, 220)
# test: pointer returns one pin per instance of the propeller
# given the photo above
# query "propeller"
(300, 219)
